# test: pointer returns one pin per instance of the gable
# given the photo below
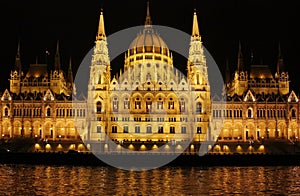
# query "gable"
(6, 96)
(48, 96)
(249, 97)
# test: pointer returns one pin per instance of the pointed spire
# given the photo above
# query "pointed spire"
(101, 31)
(57, 58)
(240, 63)
(70, 72)
(195, 31)
(18, 66)
(280, 64)
(148, 21)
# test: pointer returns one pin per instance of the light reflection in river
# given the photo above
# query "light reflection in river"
(41, 180)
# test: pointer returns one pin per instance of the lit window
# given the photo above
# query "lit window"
(114, 129)
(160, 129)
(149, 129)
(98, 129)
(183, 130)
(137, 129)
(172, 129)
(99, 106)
(199, 130)
(125, 129)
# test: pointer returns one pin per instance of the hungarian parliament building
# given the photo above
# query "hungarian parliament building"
(149, 101)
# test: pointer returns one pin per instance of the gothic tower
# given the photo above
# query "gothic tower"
(198, 76)
(98, 86)
(16, 73)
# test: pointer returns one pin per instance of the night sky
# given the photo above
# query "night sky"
(259, 24)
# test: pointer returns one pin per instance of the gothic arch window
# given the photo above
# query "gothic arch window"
(160, 104)
(149, 105)
(137, 103)
(6, 112)
(182, 105)
(171, 104)
(199, 107)
(115, 104)
(250, 113)
(99, 106)
(293, 113)
(126, 103)
(48, 112)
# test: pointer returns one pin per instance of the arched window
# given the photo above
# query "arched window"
(99, 106)
(293, 113)
(171, 104)
(160, 104)
(6, 112)
(126, 103)
(149, 129)
(48, 112)
(182, 105)
(115, 104)
(249, 113)
(198, 107)
(149, 105)
(137, 103)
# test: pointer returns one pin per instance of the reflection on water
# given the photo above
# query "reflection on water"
(40, 180)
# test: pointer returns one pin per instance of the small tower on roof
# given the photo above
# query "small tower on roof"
(240, 63)
(18, 65)
(57, 58)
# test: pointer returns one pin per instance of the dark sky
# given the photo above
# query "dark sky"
(259, 24)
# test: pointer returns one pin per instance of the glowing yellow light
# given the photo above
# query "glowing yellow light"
(37, 146)
(81, 147)
(59, 147)
(154, 147)
(72, 147)
(178, 147)
(167, 147)
(261, 148)
(239, 148)
(143, 147)
(131, 147)
(48, 147)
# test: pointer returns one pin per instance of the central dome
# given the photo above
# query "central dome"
(148, 47)
(148, 38)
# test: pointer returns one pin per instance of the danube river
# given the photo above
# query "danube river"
(79, 180)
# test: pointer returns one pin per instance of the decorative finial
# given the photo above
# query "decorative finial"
(101, 31)
(148, 18)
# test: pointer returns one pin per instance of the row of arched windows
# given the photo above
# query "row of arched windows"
(148, 105)
(149, 129)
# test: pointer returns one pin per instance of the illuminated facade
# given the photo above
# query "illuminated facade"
(150, 100)
(39, 103)
(259, 104)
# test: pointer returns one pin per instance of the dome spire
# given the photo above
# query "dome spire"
(148, 21)
(101, 31)
(195, 31)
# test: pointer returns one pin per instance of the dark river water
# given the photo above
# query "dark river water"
(78, 180)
